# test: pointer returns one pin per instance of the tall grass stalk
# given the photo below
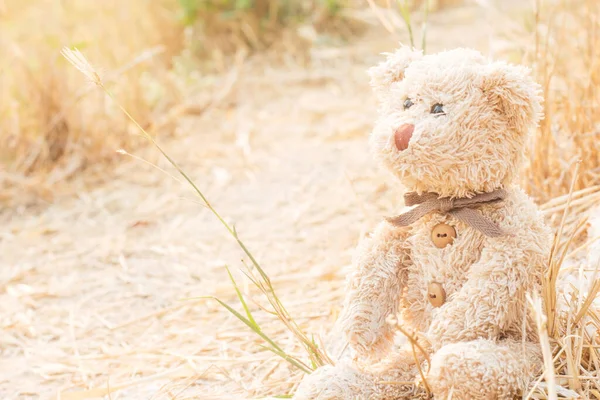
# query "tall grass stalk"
(404, 9)
(316, 355)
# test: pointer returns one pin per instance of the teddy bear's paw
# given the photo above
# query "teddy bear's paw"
(334, 383)
(367, 347)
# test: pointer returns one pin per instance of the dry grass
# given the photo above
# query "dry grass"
(51, 125)
(566, 153)
(567, 315)
(566, 61)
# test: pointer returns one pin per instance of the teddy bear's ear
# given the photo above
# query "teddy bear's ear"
(512, 92)
(392, 69)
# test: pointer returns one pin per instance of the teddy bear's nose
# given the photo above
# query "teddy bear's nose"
(402, 136)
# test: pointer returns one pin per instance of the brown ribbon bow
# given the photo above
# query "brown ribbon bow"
(461, 208)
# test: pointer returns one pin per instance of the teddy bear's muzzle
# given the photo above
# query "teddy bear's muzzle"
(402, 136)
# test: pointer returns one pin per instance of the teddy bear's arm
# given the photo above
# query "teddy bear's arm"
(494, 294)
(373, 290)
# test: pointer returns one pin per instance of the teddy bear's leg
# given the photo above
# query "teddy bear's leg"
(388, 379)
(483, 369)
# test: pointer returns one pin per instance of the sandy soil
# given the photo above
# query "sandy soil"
(95, 288)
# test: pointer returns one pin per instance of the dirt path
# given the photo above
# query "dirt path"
(92, 287)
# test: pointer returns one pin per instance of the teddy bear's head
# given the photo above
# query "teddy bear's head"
(452, 123)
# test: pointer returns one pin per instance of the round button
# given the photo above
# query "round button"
(442, 235)
(436, 294)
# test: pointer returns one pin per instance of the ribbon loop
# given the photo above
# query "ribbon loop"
(462, 208)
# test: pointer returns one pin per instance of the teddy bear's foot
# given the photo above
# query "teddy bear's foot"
(483, 370)
(333, 383)
(390, 379)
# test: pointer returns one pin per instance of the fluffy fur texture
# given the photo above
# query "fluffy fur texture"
(482, 343)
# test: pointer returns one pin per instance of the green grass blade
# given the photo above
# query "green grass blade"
(424, 29)
(239, 294)
(251, 257)
(256, 329)
(288, 358)
(315, 355)
(254, 281)
(405, 14)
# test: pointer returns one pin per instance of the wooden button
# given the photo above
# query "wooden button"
(442, 235)
(436, 294)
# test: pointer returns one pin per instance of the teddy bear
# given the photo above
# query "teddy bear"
(455, 270)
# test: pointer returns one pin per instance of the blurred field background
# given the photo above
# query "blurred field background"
(105, 259)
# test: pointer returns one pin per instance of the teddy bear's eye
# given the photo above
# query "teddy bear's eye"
(408, 104)
(437, 109)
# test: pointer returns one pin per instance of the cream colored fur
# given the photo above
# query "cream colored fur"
(483, 345)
